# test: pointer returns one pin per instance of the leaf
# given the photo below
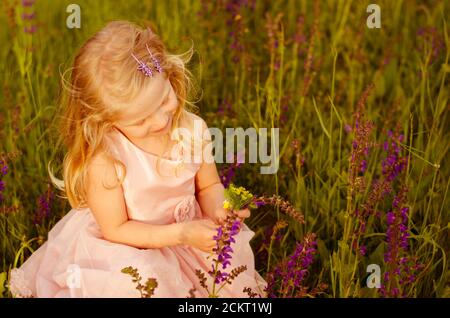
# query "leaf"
(380, 87)
(341, 216)
(323, 251)
(377, 256)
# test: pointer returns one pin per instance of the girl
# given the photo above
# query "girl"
(134, 203)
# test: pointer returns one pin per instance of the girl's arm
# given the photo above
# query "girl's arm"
(109, 210)
(209, 188)
(210, 191)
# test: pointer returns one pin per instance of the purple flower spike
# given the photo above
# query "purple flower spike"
(288, 277)
(29, 16)
(30, 30)
(363, 250)
(44, 206)
(223, 250)
(27, 3)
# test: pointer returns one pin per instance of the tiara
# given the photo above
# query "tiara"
(144, 68)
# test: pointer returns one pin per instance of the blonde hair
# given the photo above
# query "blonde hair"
(102, 78)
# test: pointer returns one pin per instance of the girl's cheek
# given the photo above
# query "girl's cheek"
(174, 106)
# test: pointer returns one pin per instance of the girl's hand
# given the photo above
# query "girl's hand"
(221, 214)
(199, 234)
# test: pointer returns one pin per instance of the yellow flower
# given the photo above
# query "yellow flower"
(226, 204)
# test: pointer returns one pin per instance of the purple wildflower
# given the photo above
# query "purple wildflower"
(227, 174)
(235, 9)
(29, 17)
(348, 129)
(311, 63)
(299, 158)
(430, 39)
(285, 108)
(300, 36)
(401, 270)
(284, 205)
(204, 9)
(32, 29)
(363, 165)
(273, 28)
(226, 108)
(286, 279)
(224, 238)
(363, 250)
(223, 252)
(4, 171)
(391, 167)
(2, 188)
(358, 166)
(44, 206)
(394, 163)
(259, 203)
(28, 3)
(361, 144)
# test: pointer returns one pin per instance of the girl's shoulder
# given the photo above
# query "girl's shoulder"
(102, 169)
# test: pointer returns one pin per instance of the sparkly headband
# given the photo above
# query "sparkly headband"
(144, 68)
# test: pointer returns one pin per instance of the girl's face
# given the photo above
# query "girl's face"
(151, 113)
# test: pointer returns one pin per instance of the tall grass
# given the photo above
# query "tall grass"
(299, 65)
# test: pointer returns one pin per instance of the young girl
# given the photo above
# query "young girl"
(138, 198)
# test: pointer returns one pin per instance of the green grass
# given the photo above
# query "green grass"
(321, 86)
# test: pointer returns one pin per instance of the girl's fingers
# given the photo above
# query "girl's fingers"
(220, 221)
(245, 213)
(211, 224)
(222, 213)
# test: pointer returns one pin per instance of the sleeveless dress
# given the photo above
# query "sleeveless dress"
(76, 261)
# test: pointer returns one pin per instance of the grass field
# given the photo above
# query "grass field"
(364, 130)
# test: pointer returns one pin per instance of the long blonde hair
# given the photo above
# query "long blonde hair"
(102, 78)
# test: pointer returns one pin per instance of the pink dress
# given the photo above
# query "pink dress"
(76, 261)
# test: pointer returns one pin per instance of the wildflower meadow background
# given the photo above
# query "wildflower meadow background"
(364, 131)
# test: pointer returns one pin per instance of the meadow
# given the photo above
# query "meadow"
(363, 118)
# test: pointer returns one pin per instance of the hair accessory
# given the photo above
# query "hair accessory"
(144, 68)
(155, 61)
